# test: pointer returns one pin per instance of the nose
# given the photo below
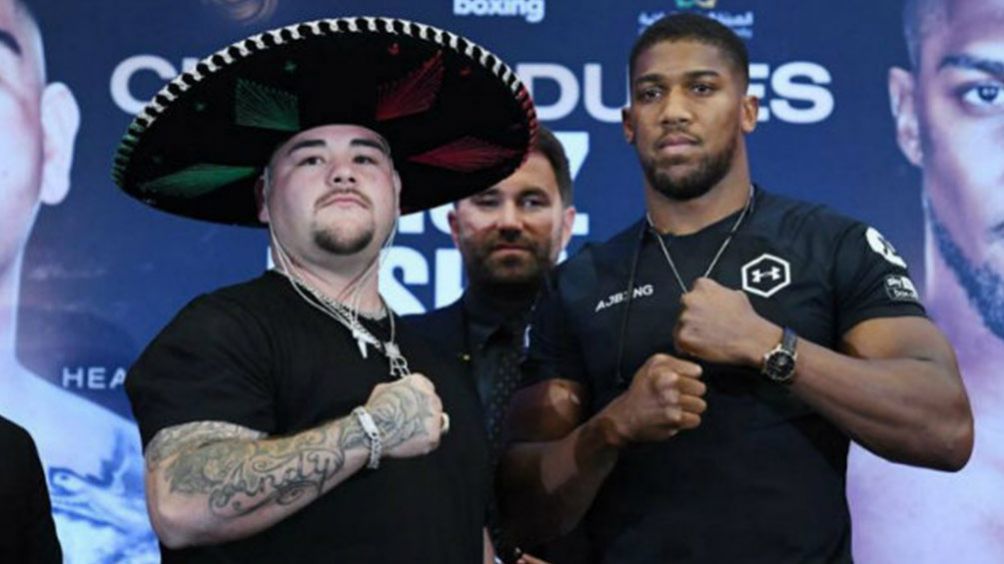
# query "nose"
(509, 215)
(510, 220)
(342, 174)
(675, 109)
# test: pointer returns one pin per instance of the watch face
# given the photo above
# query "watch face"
(779, 366)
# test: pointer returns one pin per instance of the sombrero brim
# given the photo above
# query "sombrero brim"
(457, 118)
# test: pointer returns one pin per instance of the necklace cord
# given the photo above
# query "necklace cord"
(646, 227)
(347, 316)
(718, 254)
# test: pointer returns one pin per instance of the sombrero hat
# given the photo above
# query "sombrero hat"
(456, 117)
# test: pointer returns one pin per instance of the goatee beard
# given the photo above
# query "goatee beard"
(342, 246)
(710, 171)
(982, 284)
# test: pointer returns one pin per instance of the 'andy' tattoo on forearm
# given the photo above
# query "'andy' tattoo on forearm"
(239, 472)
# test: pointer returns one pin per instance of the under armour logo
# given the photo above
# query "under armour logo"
(774, 274)
(765, 275)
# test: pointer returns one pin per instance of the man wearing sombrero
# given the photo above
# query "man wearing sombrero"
(291, 417)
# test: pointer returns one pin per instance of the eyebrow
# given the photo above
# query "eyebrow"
(8, 40)
(378, 145)
(989, 66)
(357, 142)
(532, 190)
(656, 77)
(306, 143)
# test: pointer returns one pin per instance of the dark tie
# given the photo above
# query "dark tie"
(508, 338)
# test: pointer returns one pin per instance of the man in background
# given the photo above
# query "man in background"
(949, 114)
(510, 237)
(91, 455)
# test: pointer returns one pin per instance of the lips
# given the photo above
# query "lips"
(510, 247)
(503, 245)
(342, 197)
(676, 140)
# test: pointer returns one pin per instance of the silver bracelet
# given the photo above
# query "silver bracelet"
(373, 433)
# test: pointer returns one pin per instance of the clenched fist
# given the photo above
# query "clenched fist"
(719, 325)
(663, 399)
(409, 415)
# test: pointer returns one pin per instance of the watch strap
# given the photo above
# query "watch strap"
(788, 340)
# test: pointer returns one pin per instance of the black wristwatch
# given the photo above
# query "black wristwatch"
(779, 362)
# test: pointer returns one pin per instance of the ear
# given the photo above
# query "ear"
(451, 218)
(261, 198)
(396, 178)
(628, 124)
(60, 118)
(748, 113)
(567, 222)
(903, 103)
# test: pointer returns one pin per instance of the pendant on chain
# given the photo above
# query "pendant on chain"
(361, 341)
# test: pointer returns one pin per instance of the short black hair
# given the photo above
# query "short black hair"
(919, 17)
(686, 26)
(549, 146)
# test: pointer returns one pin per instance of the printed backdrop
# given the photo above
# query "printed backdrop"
(101, 273)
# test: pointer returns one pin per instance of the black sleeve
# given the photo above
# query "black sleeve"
(553, 349)
(211, 363)
(871, 279)
(29, 533)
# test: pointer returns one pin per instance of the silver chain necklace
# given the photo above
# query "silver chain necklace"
(341, 313)
(721, 249)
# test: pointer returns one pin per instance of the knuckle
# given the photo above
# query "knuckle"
(672, 395)
(658, 359)
(673, 415)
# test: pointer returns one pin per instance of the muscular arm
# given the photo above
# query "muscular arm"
(559, 460)
(556, 464)
(209, 482)
(894, 386)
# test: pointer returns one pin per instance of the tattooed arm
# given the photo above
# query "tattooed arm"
(209, 481)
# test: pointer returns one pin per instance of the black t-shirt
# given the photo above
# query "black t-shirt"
(259, 356)
(27, 532)
(762, 478)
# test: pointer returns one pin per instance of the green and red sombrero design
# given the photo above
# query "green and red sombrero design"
(457, 118)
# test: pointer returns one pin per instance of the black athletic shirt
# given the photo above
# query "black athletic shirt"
(258, 355)
(762, 478)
